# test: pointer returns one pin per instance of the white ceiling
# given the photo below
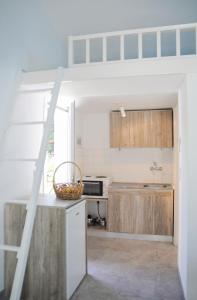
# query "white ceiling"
(136, 92)
(135, 85)
(106, 104)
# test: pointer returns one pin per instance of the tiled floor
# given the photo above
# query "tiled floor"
(122, 269)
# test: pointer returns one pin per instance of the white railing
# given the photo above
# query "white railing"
(86, 39)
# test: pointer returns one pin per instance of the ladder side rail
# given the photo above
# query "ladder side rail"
(32, 206)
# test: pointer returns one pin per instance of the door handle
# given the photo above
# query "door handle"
(77, 214)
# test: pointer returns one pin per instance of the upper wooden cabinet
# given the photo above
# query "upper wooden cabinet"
(143, 128)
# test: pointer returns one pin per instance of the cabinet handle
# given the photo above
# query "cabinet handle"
(77, 214)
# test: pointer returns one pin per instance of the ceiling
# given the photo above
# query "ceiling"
(106, 104)
(136, 92)
(91, 16)
(119, 86)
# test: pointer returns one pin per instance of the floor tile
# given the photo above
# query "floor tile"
(130, 270)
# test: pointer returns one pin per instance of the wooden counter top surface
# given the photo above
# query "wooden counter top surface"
(51, 201)
(160, 187)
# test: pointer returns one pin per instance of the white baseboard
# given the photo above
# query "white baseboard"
(139, 237)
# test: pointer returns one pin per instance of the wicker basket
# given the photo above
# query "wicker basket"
(68, 191)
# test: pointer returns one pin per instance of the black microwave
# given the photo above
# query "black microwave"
(93, 188)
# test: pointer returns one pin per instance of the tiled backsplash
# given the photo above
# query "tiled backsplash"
(129, 165)
(126, 165)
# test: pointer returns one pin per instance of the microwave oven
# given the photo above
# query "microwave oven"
(96, 186)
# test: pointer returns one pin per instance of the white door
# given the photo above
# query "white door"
(61, 146)
(75, 247)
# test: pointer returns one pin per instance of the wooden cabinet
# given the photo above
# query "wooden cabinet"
(57, 258)
(141, 212)
(115, 125)
(143, 128)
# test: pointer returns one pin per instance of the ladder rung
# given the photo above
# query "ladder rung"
(63, 109)
(27, 123)
(18, 201)
(18, 160)
(9, 248)
(27, 91)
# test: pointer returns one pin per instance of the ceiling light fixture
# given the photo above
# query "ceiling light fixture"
(122, 111)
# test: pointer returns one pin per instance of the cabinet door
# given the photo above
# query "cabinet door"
(115, 129)
(145, 128)
(130, 212)
(136, 137)
(163, 213)
(113, 211)
(121, 212)
(141, 212)
(167, 128)
(125, 131)
(154, 128)
(75, 247)
(159, 130)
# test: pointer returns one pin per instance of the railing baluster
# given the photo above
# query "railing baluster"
(139, 45)
(158, 43)
(121, 35)
(122, 47)
(87, 51)
(104, 49)
(196, 39)
(178, 52)
(70, 51)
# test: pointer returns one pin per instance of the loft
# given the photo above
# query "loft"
(158, 66)
(128, 45)
(166, 50)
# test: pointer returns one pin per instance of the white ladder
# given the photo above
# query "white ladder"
(23, 250)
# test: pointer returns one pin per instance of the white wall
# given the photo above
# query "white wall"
(28, 41)
(126, 165)
(33, 36)
(92, 16)
(187, 261)
(118, 14)
(192, 175)
(176, 173)
(182, 250)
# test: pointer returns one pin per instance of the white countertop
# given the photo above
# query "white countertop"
(51, 201)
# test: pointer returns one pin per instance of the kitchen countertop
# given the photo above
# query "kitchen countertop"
(140, 186)
(52, 201)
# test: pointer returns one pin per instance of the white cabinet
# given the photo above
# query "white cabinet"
(75, 247)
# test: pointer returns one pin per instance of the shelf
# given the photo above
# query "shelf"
(96, 228)
(97, 199)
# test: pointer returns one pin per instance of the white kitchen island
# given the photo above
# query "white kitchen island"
(57, 260)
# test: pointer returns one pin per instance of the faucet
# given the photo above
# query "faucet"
(155, 167)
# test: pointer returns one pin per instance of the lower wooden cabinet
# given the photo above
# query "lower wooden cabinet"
(141, 212)
(57, 259)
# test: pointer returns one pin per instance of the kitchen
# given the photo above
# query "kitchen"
(130, 141)
(135, 200)
(135, 197)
